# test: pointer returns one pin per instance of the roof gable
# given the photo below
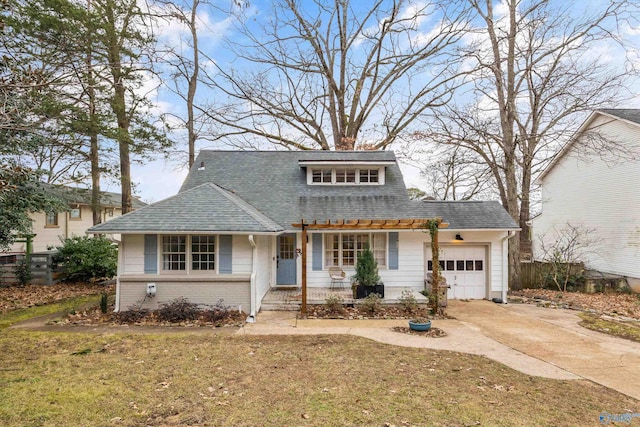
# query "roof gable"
(630, 116)
(276, 183)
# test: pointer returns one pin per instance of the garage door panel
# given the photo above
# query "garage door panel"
(464, 268)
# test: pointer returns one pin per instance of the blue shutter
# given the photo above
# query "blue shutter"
(393, 250)
(225, 258)
(316, 251)
(150, 254)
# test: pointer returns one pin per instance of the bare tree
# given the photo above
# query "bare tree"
(185, 66)
(339, 74)
(564, 251)
(534, 72)
(457, 175)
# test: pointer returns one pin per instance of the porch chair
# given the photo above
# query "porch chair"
(337, 277)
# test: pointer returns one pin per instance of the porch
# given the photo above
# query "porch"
(290, 299)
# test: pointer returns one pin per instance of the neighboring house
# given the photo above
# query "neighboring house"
(233, 231)
(50, 227)
(594, 184)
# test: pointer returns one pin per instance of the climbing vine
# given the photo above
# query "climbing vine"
(433, 225)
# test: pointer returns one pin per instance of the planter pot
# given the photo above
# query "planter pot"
(420, 326)
(362, 291)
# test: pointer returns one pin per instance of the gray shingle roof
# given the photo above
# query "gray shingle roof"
(469, 214)
(271, 194)
(631, 114)
(82, 196)
(206, 208)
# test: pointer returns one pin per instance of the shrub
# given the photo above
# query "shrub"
(408, 301)
(86, 258)
(216, 313)
(334, 303)
(23, 272)
(178, 310)
(134, 314)
(371, 304)
(367, 268)
(104, 302)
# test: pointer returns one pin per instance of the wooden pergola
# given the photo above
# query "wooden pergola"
(357, 224)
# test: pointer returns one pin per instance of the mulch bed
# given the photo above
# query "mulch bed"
(612, 304)
(431, 333)
(17, 297)
(385, 311)
(94, 316)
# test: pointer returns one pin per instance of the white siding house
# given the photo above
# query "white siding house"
(234, 231)
(50, 228)
(594, 183)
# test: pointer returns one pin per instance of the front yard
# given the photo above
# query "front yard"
(61, 378)
(130, 380)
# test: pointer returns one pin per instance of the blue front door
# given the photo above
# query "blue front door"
(286, 260)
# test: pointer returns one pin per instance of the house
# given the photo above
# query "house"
(594, 183)
(243, 221)
(50, 227)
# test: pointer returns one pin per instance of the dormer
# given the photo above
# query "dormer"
(345, 172)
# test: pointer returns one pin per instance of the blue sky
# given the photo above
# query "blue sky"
(162, 178)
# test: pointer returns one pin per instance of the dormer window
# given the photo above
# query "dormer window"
(346, 176)
(346, 172)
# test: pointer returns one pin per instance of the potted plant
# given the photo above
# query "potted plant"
(420, 324)
(366, 277)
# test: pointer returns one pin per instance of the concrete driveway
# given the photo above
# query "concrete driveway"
(553, 336)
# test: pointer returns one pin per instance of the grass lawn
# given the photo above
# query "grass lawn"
(55, 379)
(11, 317)
(628, 330)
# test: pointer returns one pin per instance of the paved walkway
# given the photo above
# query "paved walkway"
(460, 337)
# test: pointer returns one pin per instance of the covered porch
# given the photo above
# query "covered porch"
(290, 298)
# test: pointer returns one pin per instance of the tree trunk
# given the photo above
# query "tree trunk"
(94, 156)
(193, 84)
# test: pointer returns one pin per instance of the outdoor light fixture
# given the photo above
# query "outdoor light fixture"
(459, 237)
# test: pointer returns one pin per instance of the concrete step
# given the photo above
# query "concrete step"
(279, 307)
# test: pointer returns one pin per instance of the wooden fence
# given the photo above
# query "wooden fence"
(42, 271)
(533, 273)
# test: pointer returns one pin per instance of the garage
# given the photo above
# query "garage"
(464, 268)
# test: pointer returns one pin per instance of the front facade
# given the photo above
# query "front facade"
(234, 231)
(50, 228)
(594, 184)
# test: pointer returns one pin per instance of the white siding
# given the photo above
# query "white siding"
(263, 264)
(201, 287)
(411, 254)
(50, 236)
(132, 247)
(234, 291)
(599, 194)
(241, 255)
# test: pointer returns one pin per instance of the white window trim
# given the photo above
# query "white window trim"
(188, 256)
(381, 175)
(340, 255)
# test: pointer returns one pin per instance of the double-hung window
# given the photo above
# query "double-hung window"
(174, 253)
(197, 253)
(343, 249)
(203, 252)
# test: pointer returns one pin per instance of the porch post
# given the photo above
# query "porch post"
(303, 307)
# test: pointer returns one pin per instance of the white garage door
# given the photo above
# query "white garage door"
(464, 267)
